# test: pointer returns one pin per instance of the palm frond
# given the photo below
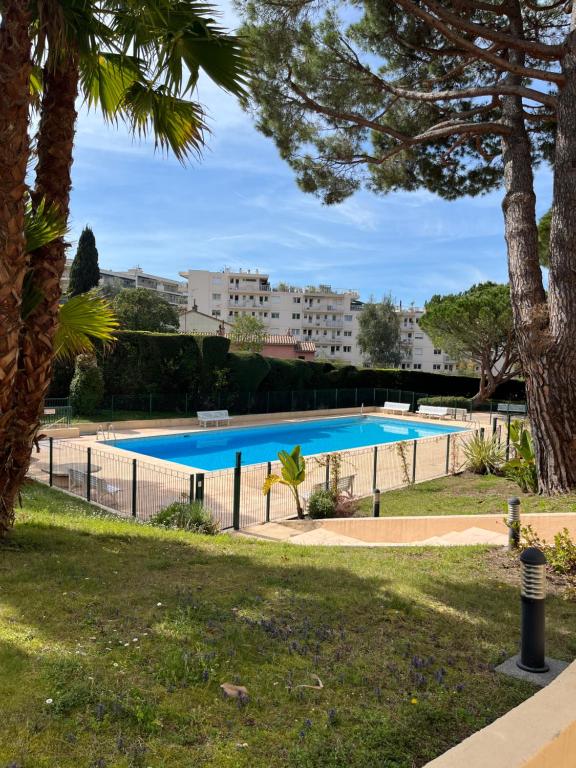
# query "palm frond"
(83, 320)
(174, 123)
(105, 78)
(43, 224)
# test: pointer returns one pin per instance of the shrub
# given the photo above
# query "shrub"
(522, 468)
(448, 402)
(189, 517)
(561, 555)
(87, 386)
(321, 504)
(484, 455)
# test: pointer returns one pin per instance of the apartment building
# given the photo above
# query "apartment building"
(174, 291)
(314, 314)
(419, 351)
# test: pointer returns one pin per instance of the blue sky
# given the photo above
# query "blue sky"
(240, 207)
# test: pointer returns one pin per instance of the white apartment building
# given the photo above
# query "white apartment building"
(419, 351)
(316, 313)
(174, 291)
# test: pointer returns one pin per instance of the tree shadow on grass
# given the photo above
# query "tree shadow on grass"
(404, 642)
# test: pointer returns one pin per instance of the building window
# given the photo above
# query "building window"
(437, 351)
(296, 331)
(449, 367)
(265, 314)
(347, 349)
(409, 335)
(436, 367)
(215, 313)
(216, 296)
(275, 315)
(418, 336)
(348, 318)
(347, 333)
(295, 316)
(418, 351)
(296, 299)
(417, 366)
(230, 314)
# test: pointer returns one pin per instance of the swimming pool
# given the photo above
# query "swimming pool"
(216, 449)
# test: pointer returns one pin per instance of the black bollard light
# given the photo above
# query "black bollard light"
(376, 503)
(513, 522)
(533, 594)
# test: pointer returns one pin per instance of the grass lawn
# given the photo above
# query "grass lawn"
(464, 494)
(115, 638)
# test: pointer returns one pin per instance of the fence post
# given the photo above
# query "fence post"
(315, 400)
(494, 425)
(336, 399)
(150, 404)
(376, 503)
(375, 467)
(268, 472)
(199, 493)
(134, 485)
(447, 453)
(508, 435)
(356, 397)
(237, 484)
(374, 397)
(327, 478)
(415, 446)
(482, 433)
(191, 488)
(50, 460)
(88, 473)
(413, 405)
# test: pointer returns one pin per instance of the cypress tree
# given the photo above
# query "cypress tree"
(84, 272)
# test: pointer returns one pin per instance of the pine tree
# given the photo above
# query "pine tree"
(84, 272)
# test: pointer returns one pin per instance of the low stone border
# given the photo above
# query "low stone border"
(539, 733)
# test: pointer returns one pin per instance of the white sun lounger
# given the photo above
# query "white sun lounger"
(396, 407)
(434, 411)
(206, 418)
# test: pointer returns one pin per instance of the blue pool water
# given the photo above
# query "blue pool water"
(216, 448)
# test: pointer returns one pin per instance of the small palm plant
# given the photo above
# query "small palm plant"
(292, 475)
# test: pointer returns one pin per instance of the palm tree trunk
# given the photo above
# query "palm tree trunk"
(15, 67)
(53, 182)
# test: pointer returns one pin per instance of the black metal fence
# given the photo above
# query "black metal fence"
(134, 487)
(187, 404)
(57, 412)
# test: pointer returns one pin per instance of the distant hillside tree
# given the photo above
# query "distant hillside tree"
(476, 326)
(248, 334)
(84, 272)
(544, 238)
(379, 335)
(139, 309)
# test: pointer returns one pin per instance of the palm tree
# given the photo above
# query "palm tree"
(15, 69)
(139, 62)
(292, 475)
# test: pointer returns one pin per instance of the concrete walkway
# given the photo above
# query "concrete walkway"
(312, 532)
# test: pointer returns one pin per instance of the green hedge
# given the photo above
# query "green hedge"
(175, 363)
(247, 371)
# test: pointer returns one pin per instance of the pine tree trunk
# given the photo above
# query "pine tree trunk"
(15, 67)
(545, 328)
(53, 181)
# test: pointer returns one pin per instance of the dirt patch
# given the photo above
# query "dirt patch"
(505, 566)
